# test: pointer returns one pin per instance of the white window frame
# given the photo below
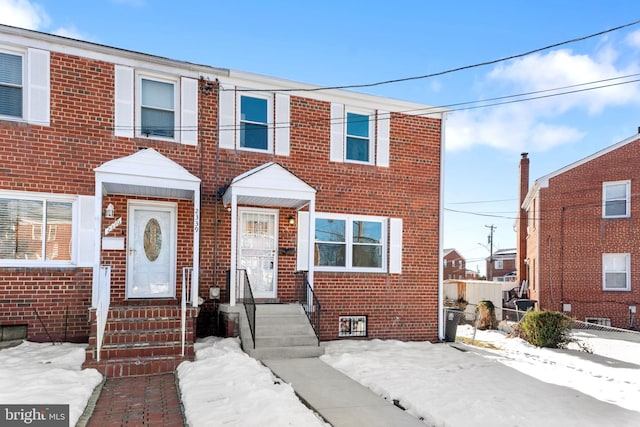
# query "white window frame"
(349, 219)
(269, 98)
(44, 197)
(371, 114)
(23, 87)
(627, 271)
(140, 75)
(498, 264)
(627, 198)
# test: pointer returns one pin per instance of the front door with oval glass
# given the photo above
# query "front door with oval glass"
(258, 235)
(151, 250)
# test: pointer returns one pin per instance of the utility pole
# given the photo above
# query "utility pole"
(490, 271)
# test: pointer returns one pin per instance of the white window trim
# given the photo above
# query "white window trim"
(349, 243)
(498, 264)
(627, 198)
(627, 273)
(269, 98)
(175, 81)
(74, 227)
(371, 114)
(23, 55)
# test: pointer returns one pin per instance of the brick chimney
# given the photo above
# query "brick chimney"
(522, 219)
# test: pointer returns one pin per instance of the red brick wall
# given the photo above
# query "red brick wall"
(61, 159)
(449, 271)
(572, 236)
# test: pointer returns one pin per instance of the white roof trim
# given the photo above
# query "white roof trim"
(544, 181)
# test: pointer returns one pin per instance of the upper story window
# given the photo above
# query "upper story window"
(358, 138)
(350, 243)
(616, 272)
(616, 199)
(254, 123)
(24, 85)
(157, 108)
(499, 264)
(11, 85)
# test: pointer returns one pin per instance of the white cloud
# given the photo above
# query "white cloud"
(71, 32)
(633, 39)
(541, 124)
(23, 14)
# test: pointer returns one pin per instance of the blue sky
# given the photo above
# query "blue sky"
(354, 42)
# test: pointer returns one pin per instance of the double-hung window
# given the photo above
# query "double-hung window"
(350, 243)
(254, 123)
(37, 229)
(616, 272)
(358, 143)
(616, 199)
(11, 85)
(158, 100)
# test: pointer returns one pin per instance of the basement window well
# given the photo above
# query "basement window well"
(352, 326)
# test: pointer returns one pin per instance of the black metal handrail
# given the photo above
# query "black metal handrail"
(246, 296)
(249, 305)
(305, 295)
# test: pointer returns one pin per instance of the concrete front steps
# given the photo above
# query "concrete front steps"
(141, 340)
(283, 331)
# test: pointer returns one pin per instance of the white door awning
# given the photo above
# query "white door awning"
(147, 173)
(269, 185)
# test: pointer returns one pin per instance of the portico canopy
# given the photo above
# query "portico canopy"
(146, 173)
(271, 185)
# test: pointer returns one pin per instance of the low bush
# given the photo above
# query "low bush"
(546, 329)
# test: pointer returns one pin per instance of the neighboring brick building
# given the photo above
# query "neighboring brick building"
(200, 175)
(583, 238)
(453, 265)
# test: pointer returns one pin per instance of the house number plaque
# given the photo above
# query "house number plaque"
(152, 239)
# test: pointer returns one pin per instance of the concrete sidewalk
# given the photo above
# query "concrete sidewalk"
(336, 397)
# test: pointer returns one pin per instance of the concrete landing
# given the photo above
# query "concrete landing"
(337, 398)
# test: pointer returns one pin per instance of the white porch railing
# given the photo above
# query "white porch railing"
(187, 275)
(102, 308)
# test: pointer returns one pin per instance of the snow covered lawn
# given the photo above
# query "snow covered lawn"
(47, 374)
(226, 385)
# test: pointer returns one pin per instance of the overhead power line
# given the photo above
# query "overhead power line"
(452, 70)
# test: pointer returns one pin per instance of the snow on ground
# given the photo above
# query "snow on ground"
(47, 374)
(427, 379)
(613, 383)
(226, 385)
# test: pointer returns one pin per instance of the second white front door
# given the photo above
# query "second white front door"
(257, 247)
(151, 254)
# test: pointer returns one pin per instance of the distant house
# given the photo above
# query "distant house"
(454, 265)
(501, 265)
(472, 275)
(582, 253)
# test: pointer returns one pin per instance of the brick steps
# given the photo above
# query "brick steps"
(141, 340)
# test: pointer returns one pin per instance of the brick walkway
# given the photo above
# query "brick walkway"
(138, 401)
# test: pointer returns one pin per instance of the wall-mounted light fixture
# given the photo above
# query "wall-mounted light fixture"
(109, 212)
(292, 220)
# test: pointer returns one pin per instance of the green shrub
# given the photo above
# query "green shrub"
(546, 329)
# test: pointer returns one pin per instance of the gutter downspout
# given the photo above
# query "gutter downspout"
(440, 232)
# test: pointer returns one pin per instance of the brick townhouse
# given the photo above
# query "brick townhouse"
(134, 185)
(454, 265)
(582, 252)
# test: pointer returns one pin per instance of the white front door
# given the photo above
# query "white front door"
(151, 250)
(257, 246)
